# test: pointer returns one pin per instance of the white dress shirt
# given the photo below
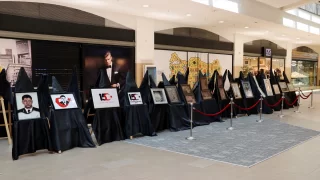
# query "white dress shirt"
(31, 115)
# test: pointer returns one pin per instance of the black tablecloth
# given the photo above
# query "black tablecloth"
(30, 136)
(210, 106)
(271, 100)
(198, 119)
(159, 117)
(69, 129)
(137, 120)
(178, 117)
(107, 125)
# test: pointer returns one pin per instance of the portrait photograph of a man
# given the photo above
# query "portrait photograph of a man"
(27, 106)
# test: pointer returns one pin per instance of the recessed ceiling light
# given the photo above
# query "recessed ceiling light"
(188, 15)
(221, 21)
(145, 5)
(246, 27)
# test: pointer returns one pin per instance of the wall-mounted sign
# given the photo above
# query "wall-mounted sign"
(304, 55)
(266, 52)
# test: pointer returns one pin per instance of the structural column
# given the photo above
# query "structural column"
(144, 46)
(238, 55)
(288, 60)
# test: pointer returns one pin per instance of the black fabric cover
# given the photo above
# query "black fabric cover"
(173, 80)
(4, 86)
(181, 78)
(74, 87)
(165, 80)
(159, 117)
(247, 102)
(286, 94)
(28, 135)
(270, 99)
(69, 129)
(44, 95)
(106, 124)
(68, 126)
(152, 82)
(292, 95)
(178, 118)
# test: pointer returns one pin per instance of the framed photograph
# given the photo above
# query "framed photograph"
(206, 94)
(172, 94)
(267, 84)
(135, 98)
(63, 101)
(186, 89)
(27, 105)
(276, 89)
(190, 98)
(188, 93)
(204, 83)
(105, 98)
(247, 89)
(283, 87)
(222, 94)
(152, 71)
(159, 96)
(291, 87)
(236, 90)
(220, 81)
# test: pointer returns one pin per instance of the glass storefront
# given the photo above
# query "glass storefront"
(304, 73)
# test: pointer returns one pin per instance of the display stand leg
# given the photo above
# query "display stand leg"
(298, 106)
(231, 115)
(191, 122)
(5, 120)
(281, 115)
(311, 103)
(261, 99)
(10, 118)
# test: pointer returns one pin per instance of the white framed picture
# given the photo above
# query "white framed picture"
(267, 84)
(152, 71)
(63, 101)
(159, 96)
(27, 105)
(283, 87)
(135, 98)
(105, 98)
(276, 89)
(247, 89)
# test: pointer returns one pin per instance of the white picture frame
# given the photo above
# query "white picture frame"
(63, 101)
(283, 87)
(267, 84)
(247, 89)
(236, 90)
(135, 98)
(276, 89)
(105, 98)
(27, 105)
(159, 96)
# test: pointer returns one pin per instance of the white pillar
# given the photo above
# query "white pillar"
(238, 55)
(288, 60)
(144, 46)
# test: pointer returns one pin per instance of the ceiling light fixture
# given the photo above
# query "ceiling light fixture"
(283, 35)
(188, 15)
(246, 27)
(221, 22)
(145, 6)
(298, 38)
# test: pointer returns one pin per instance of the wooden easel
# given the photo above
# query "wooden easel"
(4, 112)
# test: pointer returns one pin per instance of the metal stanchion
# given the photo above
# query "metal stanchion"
(281, 115)
(298, 104)
(299, 95)
(231, 115)
(311, 104)
(261, 99)
(191, 122)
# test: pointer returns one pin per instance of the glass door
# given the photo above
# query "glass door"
(304, 73)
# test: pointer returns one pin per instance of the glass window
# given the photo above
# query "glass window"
(278, 65)
(250, 64)
(289, 23)
(314, 30)
(315, 19)
(302, 27)
(304, 73)
(304, 15)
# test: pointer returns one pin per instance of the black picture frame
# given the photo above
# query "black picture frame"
(52, 103)
(178, 101)
(16, 106)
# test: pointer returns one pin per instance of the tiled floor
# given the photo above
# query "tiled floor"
(120, 160)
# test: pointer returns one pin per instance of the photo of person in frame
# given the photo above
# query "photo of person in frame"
(28, 111)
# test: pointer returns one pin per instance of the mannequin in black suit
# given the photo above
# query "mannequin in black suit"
(117, 78)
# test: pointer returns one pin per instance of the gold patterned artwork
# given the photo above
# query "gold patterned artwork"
(195, 65)
(177, 64)
(215, 65)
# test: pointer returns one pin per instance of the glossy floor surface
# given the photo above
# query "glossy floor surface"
(121, 160)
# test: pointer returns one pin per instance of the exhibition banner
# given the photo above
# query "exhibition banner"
(15, 54)
(170, 62)
(196, 62)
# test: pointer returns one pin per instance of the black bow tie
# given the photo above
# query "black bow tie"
(108, 67)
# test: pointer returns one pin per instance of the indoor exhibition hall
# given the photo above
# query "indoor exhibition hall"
(159, 90)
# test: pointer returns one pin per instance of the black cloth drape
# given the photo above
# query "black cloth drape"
(69, 129)
(165, 80)
(28, 135)
(247, 102)
(107, 125)
(178, 118)
(4, 86)
(74, 87)
(44, 95)
(159, 117)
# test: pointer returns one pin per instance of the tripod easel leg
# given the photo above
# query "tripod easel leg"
(5, 120)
